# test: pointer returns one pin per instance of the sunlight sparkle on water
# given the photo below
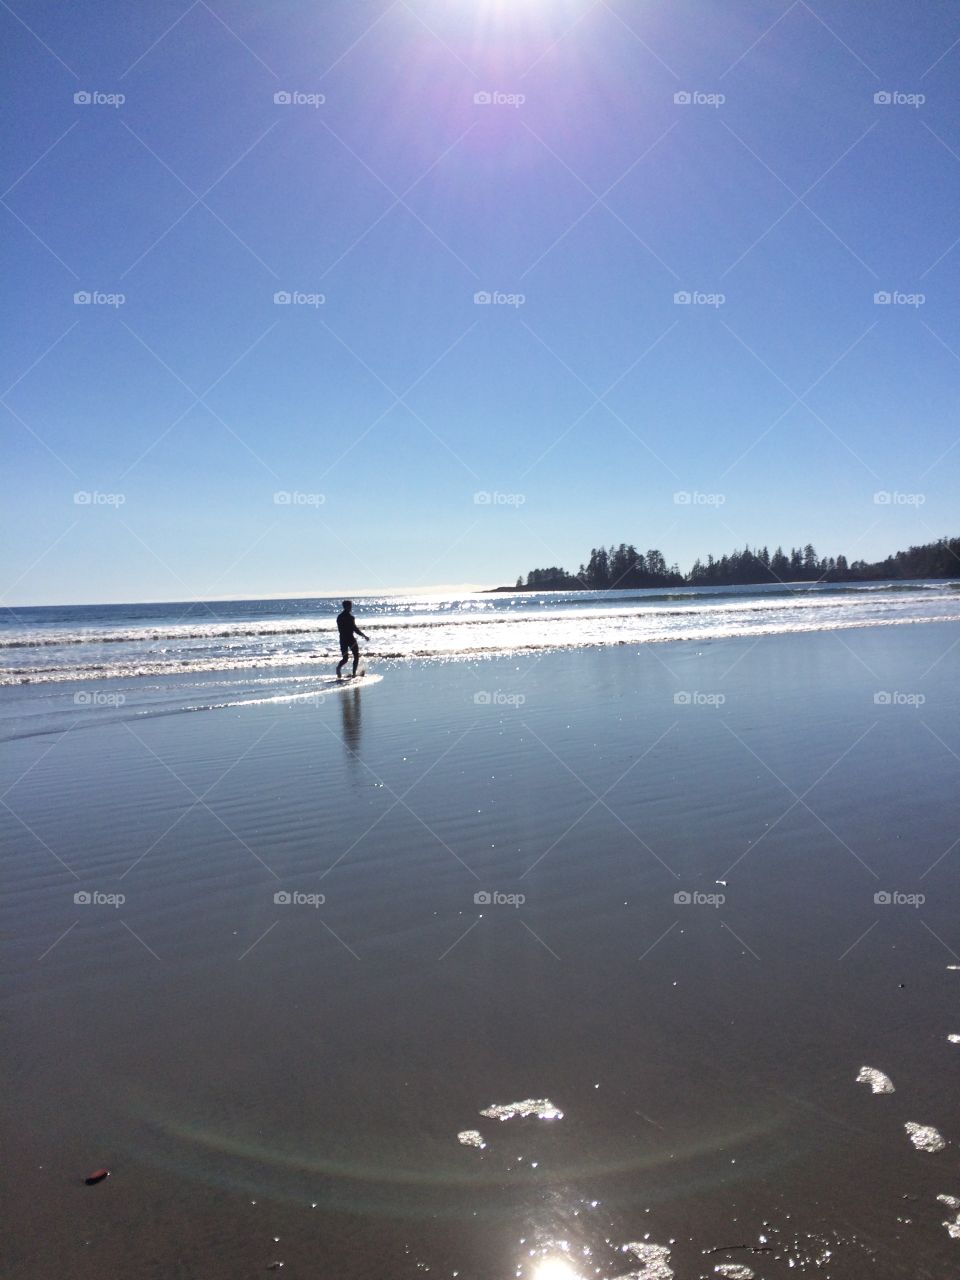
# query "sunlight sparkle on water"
(555, 1269)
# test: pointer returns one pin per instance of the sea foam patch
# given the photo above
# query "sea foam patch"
(471, 1138)
(924, 1136)
(542, 1108)
(654, 1260)
(734, 1271)
(878, 1082)
(953, 1227)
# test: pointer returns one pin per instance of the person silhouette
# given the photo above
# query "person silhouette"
(348, 629)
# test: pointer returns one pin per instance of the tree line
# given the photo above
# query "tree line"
(624, 566)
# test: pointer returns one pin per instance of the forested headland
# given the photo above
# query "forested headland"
(624, 566)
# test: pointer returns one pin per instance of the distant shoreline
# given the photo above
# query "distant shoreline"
(626, 567)
(693, 586)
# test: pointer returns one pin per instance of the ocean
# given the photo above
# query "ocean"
(82, 664)
(108, 642)
(122, 659)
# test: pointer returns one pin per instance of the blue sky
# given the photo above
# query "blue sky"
(782, 197)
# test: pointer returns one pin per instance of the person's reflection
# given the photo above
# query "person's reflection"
(350, 710)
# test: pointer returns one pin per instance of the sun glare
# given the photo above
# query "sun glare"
(555, 1269)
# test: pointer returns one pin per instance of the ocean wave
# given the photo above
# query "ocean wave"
(557, 638)
(588, 605)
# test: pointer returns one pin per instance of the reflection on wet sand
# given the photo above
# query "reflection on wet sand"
(350, 714)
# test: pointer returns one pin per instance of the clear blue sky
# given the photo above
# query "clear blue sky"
(597, 197)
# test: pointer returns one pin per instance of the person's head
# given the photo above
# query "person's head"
(347, 606)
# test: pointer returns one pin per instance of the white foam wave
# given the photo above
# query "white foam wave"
(452, 644)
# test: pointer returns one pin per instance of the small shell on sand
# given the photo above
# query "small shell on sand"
(878, 1082)
(924, 1137)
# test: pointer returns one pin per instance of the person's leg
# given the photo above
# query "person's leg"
(356, 656)
(343, 659)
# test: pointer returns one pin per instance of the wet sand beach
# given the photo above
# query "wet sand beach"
(684, 894)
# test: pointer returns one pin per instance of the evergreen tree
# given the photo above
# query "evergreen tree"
(779, 565)
(624, 567)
